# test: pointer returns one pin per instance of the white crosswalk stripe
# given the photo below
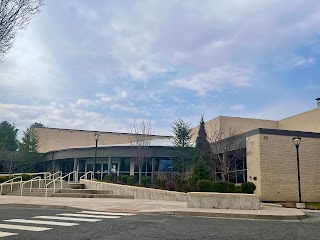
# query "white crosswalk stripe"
(65, 224)
(7, 234)
(23, 227)
(87, 215)
(63, 219)
(108, 213)
(69, 218)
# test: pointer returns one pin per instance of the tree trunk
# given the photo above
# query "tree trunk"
(140, 174)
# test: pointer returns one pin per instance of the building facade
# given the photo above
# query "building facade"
(68, 150)
(262, 152)
(270, 159)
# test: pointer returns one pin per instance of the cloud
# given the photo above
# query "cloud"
(217, 78)
(300, 61)
(61, 116)
(238, 107)
(154, 59)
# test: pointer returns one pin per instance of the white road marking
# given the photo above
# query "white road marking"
(42, 222)
(86, 215)
(6, 234)
(108, 213)
(69, 218)
(23, 227)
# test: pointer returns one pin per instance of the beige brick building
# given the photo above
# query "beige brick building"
(271, 161)
(268, 153)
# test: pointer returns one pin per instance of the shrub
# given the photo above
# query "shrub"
(26, 177)
(3, 179)
(237, 189)
(157, 182)
(186, 187)
(171, 185)
(200, 172)
(131, 180)
(145, 180)
(223, 187)
(248, 187)
(107, 178)
(124, 178)
(161, 182)
(119, 177)
(183, 181)
(204, 186)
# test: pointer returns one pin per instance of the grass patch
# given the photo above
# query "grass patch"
(309, 205)
(313, 205)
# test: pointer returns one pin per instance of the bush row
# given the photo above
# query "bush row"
(225, 187)
(25, 177)
(183, 185)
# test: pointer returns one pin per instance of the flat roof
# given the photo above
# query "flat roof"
(93, 131)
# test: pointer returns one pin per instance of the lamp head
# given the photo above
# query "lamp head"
(296, 141)
(96, 136)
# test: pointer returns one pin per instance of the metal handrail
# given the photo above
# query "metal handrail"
(86, 175)
(31, 181)
(52, 176)
(69, 176)
(10, 181)
(54, 185)
(21, 173)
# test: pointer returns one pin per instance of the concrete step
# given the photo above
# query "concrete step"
(88, 195)
(86, 191)
(32, 193)
(75, 185)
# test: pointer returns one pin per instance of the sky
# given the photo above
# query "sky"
(101, 65)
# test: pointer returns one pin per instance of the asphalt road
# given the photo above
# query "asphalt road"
(144, 226)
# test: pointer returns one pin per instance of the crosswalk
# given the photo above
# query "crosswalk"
(44, 223)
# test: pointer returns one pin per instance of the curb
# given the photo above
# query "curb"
(16, 205)
(229, 215)
(176, 213)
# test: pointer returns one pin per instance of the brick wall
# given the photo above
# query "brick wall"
(278, 165)
(54, 139)
(307, 121)
(241, 125)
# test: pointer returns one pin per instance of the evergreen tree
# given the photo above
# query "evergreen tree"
(203, 165)
(182, 142)
(29, 147)
(8, 137)
(202, 144)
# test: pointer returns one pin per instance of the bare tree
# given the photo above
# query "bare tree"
(227, 148)
(10, 161)
(15, 15)
(140, 140)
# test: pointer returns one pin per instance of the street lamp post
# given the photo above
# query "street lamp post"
(296, 142)
(96, 138)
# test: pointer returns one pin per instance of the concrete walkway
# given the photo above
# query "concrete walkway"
(149, 206)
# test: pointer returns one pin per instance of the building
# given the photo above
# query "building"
(270, 159)
(265, 153)
(70, 150)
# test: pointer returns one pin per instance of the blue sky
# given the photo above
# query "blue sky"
(99, 65)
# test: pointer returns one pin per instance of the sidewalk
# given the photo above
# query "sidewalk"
(149, 206)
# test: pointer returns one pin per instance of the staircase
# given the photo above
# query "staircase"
(66, 189)
(71, 190)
